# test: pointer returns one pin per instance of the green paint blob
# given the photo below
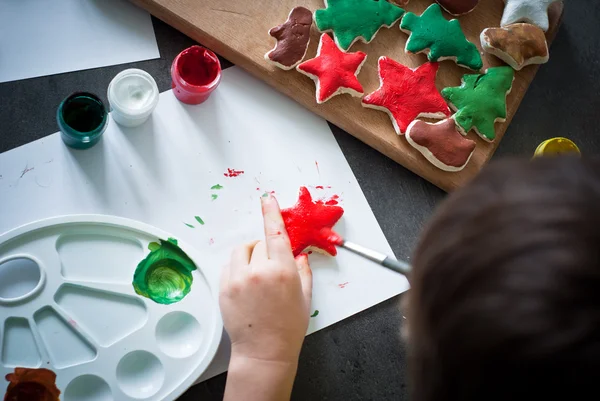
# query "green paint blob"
(265, 195)
(353, 19)
(165, 275)
(443, 38)
(199, 220)
(214, 196)
(315, 313)
(189, 225)
(481, 99)
(217, 186)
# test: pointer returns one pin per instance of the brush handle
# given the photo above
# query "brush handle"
(377, 257)
(396, 265)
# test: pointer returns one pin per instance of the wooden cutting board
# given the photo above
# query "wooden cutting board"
(237, 30)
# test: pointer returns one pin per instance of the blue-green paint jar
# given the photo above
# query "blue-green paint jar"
(82, 119)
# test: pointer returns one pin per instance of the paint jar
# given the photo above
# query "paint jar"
(133, 96)
(82, 119)
(195, 73)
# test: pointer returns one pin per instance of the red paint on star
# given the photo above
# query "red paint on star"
(407, 94)
(334, 70)
(305, 220)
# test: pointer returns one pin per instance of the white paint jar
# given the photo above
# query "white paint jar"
(133, 96)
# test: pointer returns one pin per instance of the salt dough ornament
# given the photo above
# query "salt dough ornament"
(458, 7)
(441, 144)
(351, 20)
(531, 11)
(406, 94)
(333, 70)
(305, 220)
(444, 39)
(480, 101)
(518, 45)
(292, 38)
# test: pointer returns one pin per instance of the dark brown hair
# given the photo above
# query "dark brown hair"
(505, 298)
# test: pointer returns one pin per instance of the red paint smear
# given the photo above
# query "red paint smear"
(333, 201)
(257, 188)
(328, 186)
(233, 173)
(317, 164)
(211, 241)
(31, 384)
(272, 192)
(319, 187)
(331, 236)
(305, 220)
(343, 285)
(197, 66)
(310, 252)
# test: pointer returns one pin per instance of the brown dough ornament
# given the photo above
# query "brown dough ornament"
(518, 45)
(292, 39)
(458, 7)
(441, 144)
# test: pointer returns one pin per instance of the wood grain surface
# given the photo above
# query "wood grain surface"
(237, 30)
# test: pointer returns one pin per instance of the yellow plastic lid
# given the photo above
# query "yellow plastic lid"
(556, 146)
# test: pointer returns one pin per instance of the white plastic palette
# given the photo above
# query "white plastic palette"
(67, 304)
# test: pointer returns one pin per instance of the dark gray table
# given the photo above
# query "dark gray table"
(361, 358)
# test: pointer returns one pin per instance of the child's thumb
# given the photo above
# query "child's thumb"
(306, 279)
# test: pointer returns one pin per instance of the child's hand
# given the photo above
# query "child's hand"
(265, 296)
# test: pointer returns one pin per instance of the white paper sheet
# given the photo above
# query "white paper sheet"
(45, 37)
(161, 174)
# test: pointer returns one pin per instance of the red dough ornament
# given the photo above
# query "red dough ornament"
(406, 94)
(305, 220)
(333, 70)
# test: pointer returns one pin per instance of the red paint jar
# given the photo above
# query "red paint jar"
(195, 73)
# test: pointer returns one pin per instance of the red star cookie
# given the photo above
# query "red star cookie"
(305, 220)
(406, 94)
(333, 70)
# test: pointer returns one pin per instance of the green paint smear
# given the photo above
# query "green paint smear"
(214, 196)
(352, 19)
(443, 38)
(165, 275)
(265, 195)
(217, 186)
(315, 313)
(481, 99)
(189, 225)
(199, 220)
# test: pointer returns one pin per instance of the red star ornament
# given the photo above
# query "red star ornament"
(334, 70)
(406, 94)
(305, 220)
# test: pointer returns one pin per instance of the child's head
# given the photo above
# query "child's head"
(505, 298)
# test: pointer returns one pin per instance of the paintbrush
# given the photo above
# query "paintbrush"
(377, 257)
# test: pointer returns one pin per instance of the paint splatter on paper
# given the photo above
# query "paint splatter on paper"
(343, 285)
(165, 275)
(199, 220)
(26, 170)
(214, 196)
(233, 173)
(216, 187)
(31, 385)
(211, 241)
(315, 313)
(189, 225)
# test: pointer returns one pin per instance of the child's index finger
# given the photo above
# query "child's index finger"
(277, 240)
